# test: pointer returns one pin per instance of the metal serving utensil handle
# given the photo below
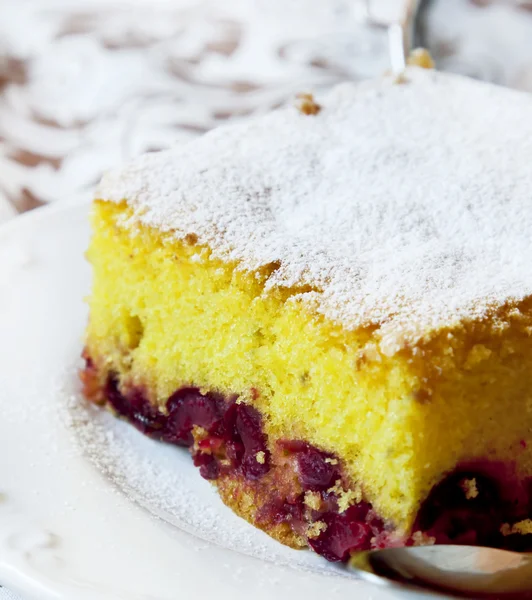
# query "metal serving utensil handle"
(398, 17)
(473, 571)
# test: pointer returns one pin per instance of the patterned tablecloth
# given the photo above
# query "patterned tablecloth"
(88, 84)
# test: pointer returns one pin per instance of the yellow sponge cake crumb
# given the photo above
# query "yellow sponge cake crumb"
(332, 311)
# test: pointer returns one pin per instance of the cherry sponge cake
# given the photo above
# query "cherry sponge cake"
(331, 308)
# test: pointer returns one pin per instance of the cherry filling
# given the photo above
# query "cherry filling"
(135, 408)
(224, 435)
(472, 505)
(188, 408)
(345, 533)
(316, 469)
(306, 491)
(331, 531)
(248, 427)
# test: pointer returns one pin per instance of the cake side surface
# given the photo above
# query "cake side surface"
(333, 312)
(166, 315)
(393, 207)
(177, 317)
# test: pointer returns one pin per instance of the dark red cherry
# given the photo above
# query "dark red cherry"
(187, 408)
(256, 458)
(342, 535)
(315, 472)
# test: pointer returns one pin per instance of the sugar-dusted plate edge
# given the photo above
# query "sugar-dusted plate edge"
(66, 531)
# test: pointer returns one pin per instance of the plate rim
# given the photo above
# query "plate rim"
(34, 587)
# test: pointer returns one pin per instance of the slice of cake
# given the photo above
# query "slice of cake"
(332, 309)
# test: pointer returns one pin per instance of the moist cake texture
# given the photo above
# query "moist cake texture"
(333, 312)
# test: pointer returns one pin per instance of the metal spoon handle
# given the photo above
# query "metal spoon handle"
(399, 20)
(462, 571)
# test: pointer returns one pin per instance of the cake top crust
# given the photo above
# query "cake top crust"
(405, 207)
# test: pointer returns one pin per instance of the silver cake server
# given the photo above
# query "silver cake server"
(463, 571)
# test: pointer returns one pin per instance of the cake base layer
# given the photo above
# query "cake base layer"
(302, 495)
(166, 314)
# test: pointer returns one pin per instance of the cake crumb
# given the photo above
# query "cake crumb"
(313, 500)
(307, 105)
(400, 78)
(346, 498)
(420, 57)
(315, 529)
(469, 486)
(521, 527)
(260, 457)
(336, 488)
(420, 538)
(477, 354)
(331, 461)
(191, 239)
(199, 434)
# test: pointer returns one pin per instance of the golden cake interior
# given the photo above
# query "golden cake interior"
(165, 314)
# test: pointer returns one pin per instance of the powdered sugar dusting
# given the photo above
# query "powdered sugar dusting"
(403, 206)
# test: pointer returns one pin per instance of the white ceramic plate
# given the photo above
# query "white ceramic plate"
(89, 508)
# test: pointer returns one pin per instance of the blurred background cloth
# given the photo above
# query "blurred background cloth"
(88, 84)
